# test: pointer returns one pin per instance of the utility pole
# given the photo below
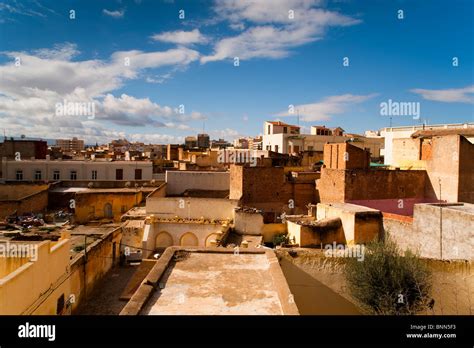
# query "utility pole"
(85, 266)
(440, 221)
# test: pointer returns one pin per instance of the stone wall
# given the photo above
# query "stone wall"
(344, 185)
(426, 236)
(345, 156)
(269, 188)
(23, 199)
(452, 281)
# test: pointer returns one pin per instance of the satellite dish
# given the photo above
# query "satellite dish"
(23, 136)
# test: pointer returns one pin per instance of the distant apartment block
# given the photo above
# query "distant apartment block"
(190, 142)
(46, 170)
(70, 145)
(203, 141)
(287, 139)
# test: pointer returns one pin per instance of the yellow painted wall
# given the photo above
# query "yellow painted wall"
(90, 206)
(99, 261)
(35, 287)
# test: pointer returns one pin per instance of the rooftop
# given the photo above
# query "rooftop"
(279, 123)
(210, 281)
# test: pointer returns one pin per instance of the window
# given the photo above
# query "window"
(285, 130)
(73, 175)
(269, 147)
(276, 148)
(38, 175)
(94, 175)
(56, 175)
(138, 174)
(269, 127)
(296, 148)
(118, 174)
(19, 174)
(60, 305)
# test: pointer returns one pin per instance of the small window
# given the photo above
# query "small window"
(268, 132)
(118, 174)
(73, 175)
(285, 130)
(19, 175)
(56, 175)
(60, 305)
(94, 175)
(38, 175)
(276, 148)
(138, 174)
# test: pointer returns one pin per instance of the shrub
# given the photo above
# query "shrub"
(280, 238)
(388, 281)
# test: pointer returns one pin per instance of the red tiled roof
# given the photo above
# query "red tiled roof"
(279, 123)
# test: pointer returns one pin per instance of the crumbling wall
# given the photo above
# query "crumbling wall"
(34, 201)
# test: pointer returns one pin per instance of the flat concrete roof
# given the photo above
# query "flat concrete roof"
(214, 281)
(464, 207)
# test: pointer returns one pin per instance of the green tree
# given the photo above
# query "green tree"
(388, 281)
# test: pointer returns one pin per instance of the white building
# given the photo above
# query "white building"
(49, 170)
(284, 138)
(405, 132)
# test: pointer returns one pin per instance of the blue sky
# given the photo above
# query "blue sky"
(190, 62)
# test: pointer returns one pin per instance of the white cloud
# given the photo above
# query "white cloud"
(158, 79)
(326, 108)
(453, 95)
(181, 37)
(65, 51)
(131, 111)
(114, 14)
(276, 33)
(30, 92)
(226, 133)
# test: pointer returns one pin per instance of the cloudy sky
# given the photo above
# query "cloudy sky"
(157, 71)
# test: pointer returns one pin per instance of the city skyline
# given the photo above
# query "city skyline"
(156, 74)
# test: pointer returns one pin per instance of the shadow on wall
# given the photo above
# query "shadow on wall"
(313, 297)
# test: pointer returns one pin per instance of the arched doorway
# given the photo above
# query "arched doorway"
(188, 239)
(209, 238)
(163, 240)
(108, 211)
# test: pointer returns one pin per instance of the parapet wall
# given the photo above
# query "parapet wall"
(178, 182)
